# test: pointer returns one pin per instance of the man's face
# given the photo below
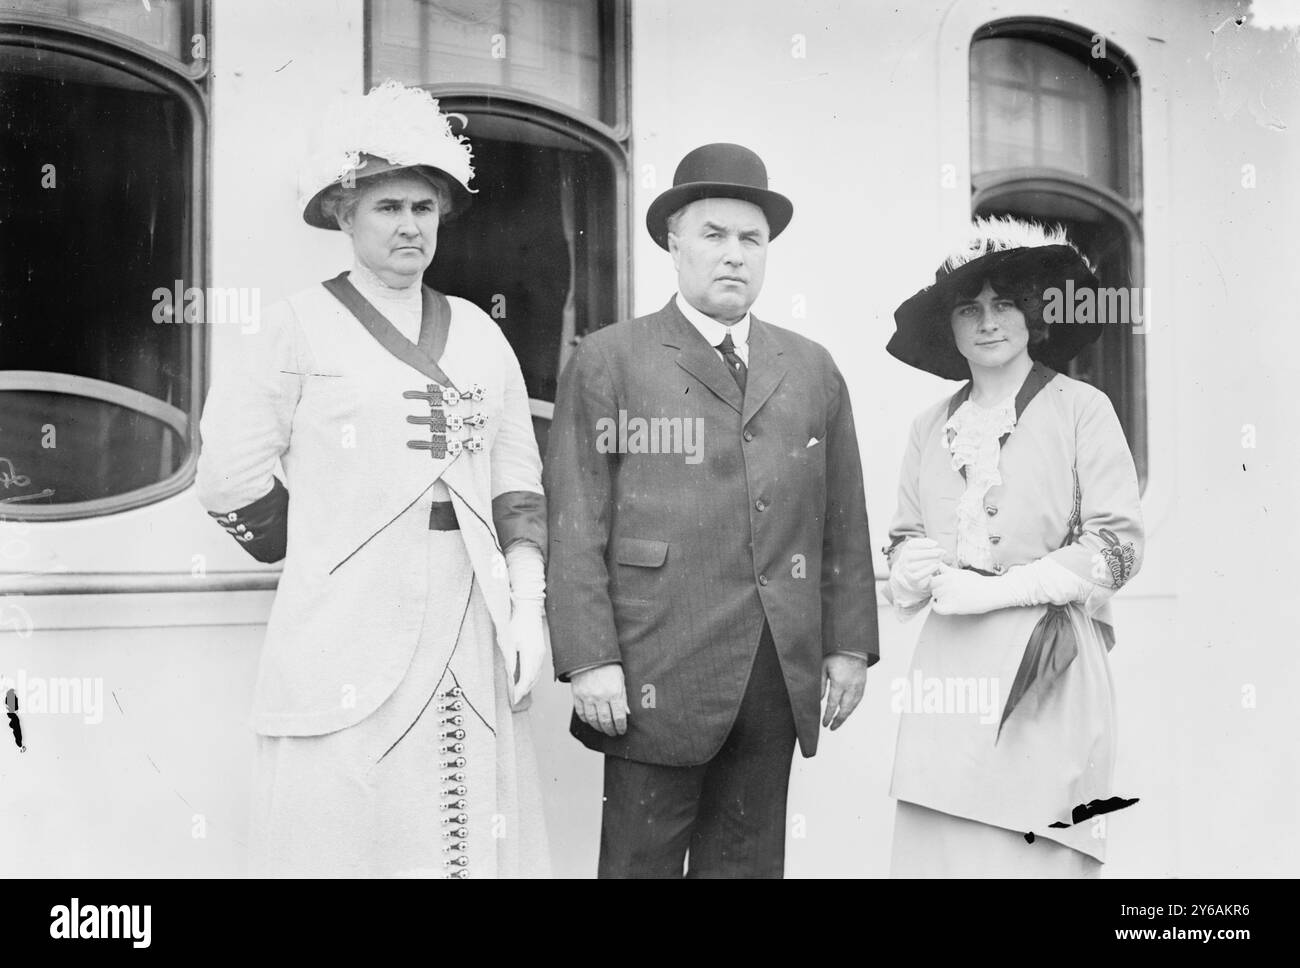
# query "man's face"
(394, 228)
(720, 252)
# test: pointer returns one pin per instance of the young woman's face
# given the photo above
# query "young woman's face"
(394, 227)
(990, 330)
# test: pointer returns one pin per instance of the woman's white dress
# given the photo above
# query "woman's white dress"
(441, 779)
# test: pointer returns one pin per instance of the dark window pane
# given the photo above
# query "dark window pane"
(536, 249)
(103, 449)
(84, 243)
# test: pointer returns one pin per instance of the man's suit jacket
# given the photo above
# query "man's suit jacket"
(669, 562)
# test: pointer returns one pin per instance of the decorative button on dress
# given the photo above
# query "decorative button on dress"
(974, 437)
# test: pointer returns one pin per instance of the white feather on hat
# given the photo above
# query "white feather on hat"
(992, 233)
(403, 125)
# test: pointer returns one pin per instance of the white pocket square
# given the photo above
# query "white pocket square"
(812, 442)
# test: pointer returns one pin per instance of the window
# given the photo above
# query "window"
(102, 152)
(1055, 137)
(544, 247)
(176, 28)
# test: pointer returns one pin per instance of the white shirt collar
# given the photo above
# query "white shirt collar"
(714, 331)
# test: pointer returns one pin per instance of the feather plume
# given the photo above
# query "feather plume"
(990, 234)
(400, 124)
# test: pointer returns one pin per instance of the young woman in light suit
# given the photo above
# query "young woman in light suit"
(1018, 518)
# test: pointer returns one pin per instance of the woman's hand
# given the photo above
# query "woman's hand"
(915, 563)
(527, 574)
(528, 631)
(956, 591)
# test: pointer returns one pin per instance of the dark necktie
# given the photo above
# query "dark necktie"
(734, 363)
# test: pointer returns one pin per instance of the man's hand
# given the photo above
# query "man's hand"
(600, 698)
(844, 679)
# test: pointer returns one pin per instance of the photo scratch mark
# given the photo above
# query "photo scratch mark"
(1095, 808)
(1086, 811)
(11, 708)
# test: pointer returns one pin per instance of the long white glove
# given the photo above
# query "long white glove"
(956, 591)
(527, 571)
(915, 562)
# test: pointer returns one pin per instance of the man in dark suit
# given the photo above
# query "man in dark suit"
(710, 570)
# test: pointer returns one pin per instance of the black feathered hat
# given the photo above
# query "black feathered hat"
(1002, 247)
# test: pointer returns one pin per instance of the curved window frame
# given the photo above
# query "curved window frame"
(484, 99)
(988, 187)
(479, 99)
(615, 79)
(610, 139)
(73, 38)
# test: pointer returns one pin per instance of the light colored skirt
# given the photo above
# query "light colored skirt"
(930, 843)
(1055, 752)
(441, 780)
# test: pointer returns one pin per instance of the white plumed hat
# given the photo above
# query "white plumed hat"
(390, 128)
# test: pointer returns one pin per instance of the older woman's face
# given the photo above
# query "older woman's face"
(990, 330)
(394, 227)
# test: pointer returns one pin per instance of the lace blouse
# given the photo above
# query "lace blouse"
(973, 438)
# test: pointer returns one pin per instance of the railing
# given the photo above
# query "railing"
(136, 583)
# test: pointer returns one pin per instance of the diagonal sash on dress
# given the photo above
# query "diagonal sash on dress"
(423, 356)
(435, 323)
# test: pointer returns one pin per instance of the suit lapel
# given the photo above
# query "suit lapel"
(766, 367)
(697, 357)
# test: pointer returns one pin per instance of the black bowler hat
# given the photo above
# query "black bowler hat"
(1005, 248)
(719, 171)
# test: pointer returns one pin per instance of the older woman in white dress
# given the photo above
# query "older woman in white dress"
(408, 628)
(1018, 518)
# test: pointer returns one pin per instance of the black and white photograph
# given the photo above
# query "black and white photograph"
(646, 439)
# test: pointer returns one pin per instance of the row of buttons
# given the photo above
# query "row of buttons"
(991, 510)
(454, 804)
(239, 531)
